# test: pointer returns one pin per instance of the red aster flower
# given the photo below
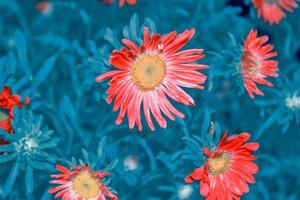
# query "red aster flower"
(121, 2)
(5, 122)
(80, 183)
(227, 169)
(255, 63)
(148, 73)
(7, 103)
(272, 11)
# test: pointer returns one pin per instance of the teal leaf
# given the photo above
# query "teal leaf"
(44, 71)
(11, 179)
(21, 46)
(101, 146)
(7, 158)
(29, 179)
(67, 106)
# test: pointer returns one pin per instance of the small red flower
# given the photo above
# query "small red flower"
(255, 63)
(7, 103)
(272, 11)
(80, 183)
(227, 169)
(148, 74)
(44, 7)
(121, 2)
(5, 123)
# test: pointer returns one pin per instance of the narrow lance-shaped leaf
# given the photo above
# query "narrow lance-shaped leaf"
(44, 71)
(6, 158)
(29, 179)
(11, 179)
(67, 107)
(134, 23)
(101, 146)
(21, 47)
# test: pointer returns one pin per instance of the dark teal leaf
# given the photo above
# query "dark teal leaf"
(67, 107)
(44, 71)
(85, 17)
(29, 179)
(7, 158)
(111, 165)
(21, 46)
(101, 146)
(11, 179)
(7, 148)
(54, 41)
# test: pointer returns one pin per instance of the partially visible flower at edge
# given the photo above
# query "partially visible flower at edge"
(80, 182)
(227, 169)
(273, 11)
(121, 2)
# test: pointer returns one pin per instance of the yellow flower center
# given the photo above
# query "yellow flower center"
(272, 1)
(85, 185)
(220, 164)
(249, 62)
(148, 71)
(3, 116)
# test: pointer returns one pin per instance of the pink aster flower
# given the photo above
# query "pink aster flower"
(148, 74)
(227, 169)
(80, 183)
(272, 11)
(255, 63)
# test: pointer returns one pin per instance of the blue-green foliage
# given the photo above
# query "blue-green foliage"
(54, 59)
(27, 151)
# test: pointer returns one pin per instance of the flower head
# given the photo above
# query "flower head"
(121, 2)
(44, 7)
(7, 102)
(130, 163)
(30, 140)
(293, 101)
(255, 63)
(80, 183)
(227, 169)
(272, 11)
(28, 148)
(185, 192)
(149, 73)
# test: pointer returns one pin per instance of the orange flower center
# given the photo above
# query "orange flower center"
(272, 1)
(85, 186)
(249, 62)
(148, 71)
(219, 164)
